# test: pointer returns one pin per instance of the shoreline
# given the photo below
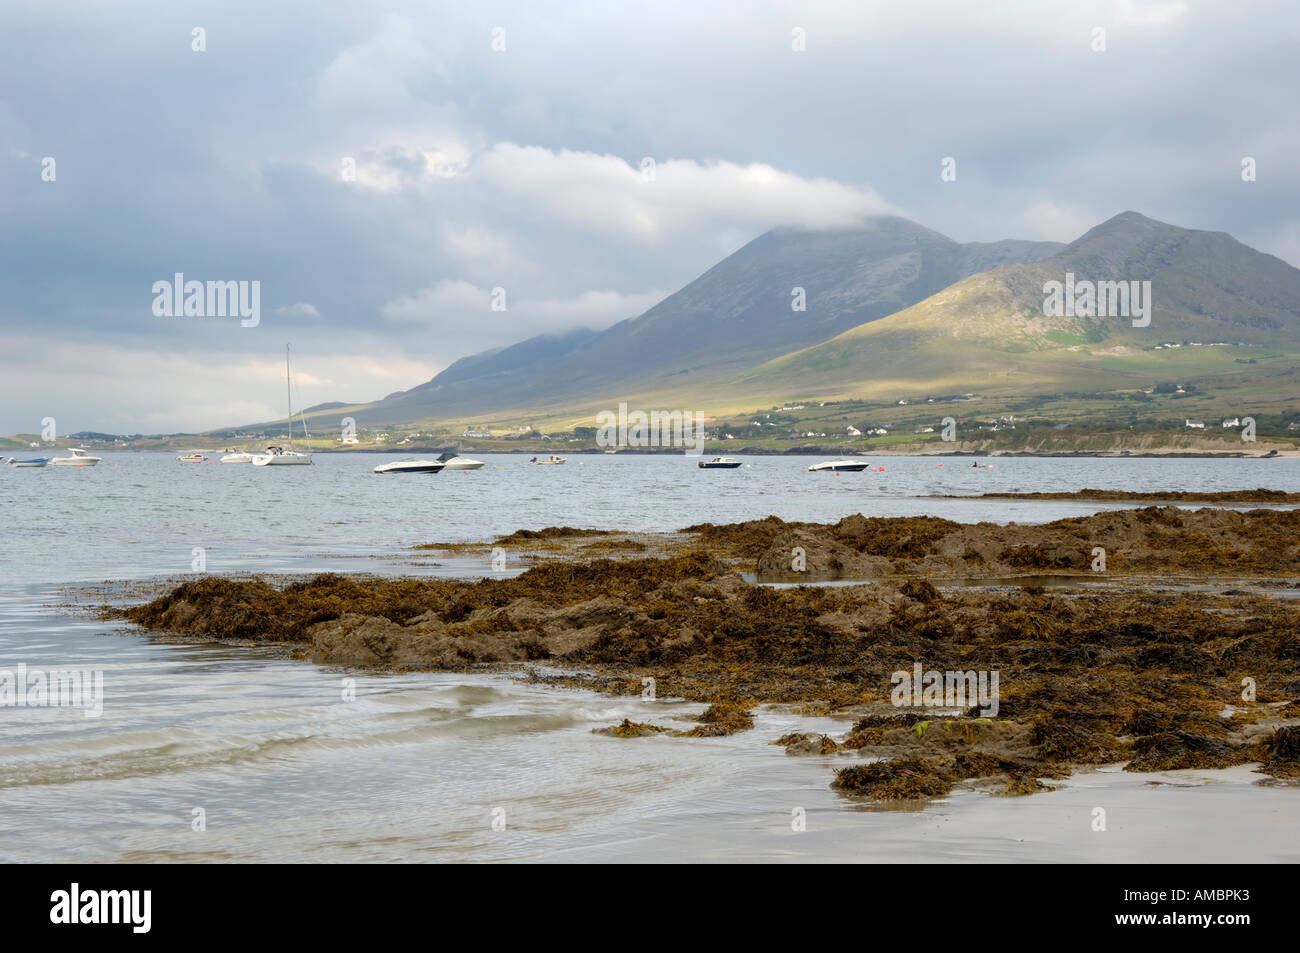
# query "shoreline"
(1260, 496)
(1085, 675)
(801, 451)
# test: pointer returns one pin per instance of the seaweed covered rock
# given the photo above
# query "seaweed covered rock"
(809, 743)
(722, 718)
(908, 779)
(629, 729)
(1171, 750)
(1282, 753)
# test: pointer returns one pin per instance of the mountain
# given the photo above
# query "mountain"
(500, 363)
(734, 316)
(991, 328)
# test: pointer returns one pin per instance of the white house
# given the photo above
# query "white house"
(1195, 424)
(1232, 422)
(853, 431)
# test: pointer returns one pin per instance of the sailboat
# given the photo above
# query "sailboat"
(279, 456)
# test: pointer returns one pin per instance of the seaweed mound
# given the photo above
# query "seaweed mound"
(1171, 750)
(910, 779)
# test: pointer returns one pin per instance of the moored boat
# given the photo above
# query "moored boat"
(453, 462)
(411, 466)
(33, 462)
(719, 463)
(839, 466)
(279, 456)
(79, 458)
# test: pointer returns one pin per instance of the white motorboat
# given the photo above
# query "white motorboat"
(194, 457)
(839, 466)
(237, 456)
(279, 456)
(34, 462)
(719, 463)
(453, 462)
(549, 461)
(79, 458)
(411, 466)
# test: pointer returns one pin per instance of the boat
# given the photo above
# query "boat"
(411, 466)
(453, 462)
(839, 466)
(720, 463)
(34, 462)
(279, 456)
(551, 460)
(79, 458)
(194, 457)
(237, 456)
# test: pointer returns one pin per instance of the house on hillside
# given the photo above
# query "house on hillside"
(1194, 424)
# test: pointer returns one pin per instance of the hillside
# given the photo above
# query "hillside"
(1227, 303)
(737, 314)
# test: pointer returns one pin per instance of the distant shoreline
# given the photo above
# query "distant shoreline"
(803, 451)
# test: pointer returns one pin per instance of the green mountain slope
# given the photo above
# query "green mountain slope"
(991, 330)
(735, 315)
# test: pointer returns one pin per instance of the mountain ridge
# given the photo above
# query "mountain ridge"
(734, 315)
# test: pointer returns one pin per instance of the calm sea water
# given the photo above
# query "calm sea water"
(440, 766)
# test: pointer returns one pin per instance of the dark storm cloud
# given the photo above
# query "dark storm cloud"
(520, 168)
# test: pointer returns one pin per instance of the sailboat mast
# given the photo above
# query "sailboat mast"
(288, 398)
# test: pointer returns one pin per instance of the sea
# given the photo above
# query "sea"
(209, 752)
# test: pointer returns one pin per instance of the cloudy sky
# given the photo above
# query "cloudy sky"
(381, 168)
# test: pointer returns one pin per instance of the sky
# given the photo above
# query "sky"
(387, 172)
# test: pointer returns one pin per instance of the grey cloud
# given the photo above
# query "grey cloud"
(518, 168)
